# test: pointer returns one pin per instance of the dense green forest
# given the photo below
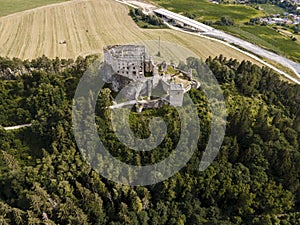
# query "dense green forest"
(45, 180)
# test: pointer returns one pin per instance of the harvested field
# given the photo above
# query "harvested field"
(82, 27)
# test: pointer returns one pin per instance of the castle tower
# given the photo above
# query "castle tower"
(176, 93)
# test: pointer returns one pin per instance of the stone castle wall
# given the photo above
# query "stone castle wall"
(127, 60)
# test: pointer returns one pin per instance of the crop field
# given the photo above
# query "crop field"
(84, 27)
(204, 10)
(12, 6)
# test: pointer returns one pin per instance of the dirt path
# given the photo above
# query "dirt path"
(17, 127)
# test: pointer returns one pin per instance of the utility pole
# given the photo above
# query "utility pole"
(158, 54)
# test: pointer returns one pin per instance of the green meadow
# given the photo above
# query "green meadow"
(264, 36)
(204, 10)
(269, 9)
(268, 38)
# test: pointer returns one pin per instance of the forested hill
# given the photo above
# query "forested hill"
(44, 179)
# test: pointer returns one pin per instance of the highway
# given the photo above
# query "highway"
(192, 23)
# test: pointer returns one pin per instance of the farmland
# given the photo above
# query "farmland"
(85, 27)
(13, 6)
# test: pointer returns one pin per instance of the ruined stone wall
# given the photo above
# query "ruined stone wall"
(127, 60)
(131, 68)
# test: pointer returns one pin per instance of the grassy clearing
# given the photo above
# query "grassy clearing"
(284, 69)
(269, 9)
(87, 27)
(269, 38)
(204, 10)
(13, 6)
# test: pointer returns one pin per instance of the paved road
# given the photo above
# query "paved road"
(127, 3)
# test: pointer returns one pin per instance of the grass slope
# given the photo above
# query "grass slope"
(13, 6)
(204, 10)
(268, 38)
(260, 35)
(88, 26)
(269, 9)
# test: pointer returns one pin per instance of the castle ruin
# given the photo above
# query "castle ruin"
(132, 72)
